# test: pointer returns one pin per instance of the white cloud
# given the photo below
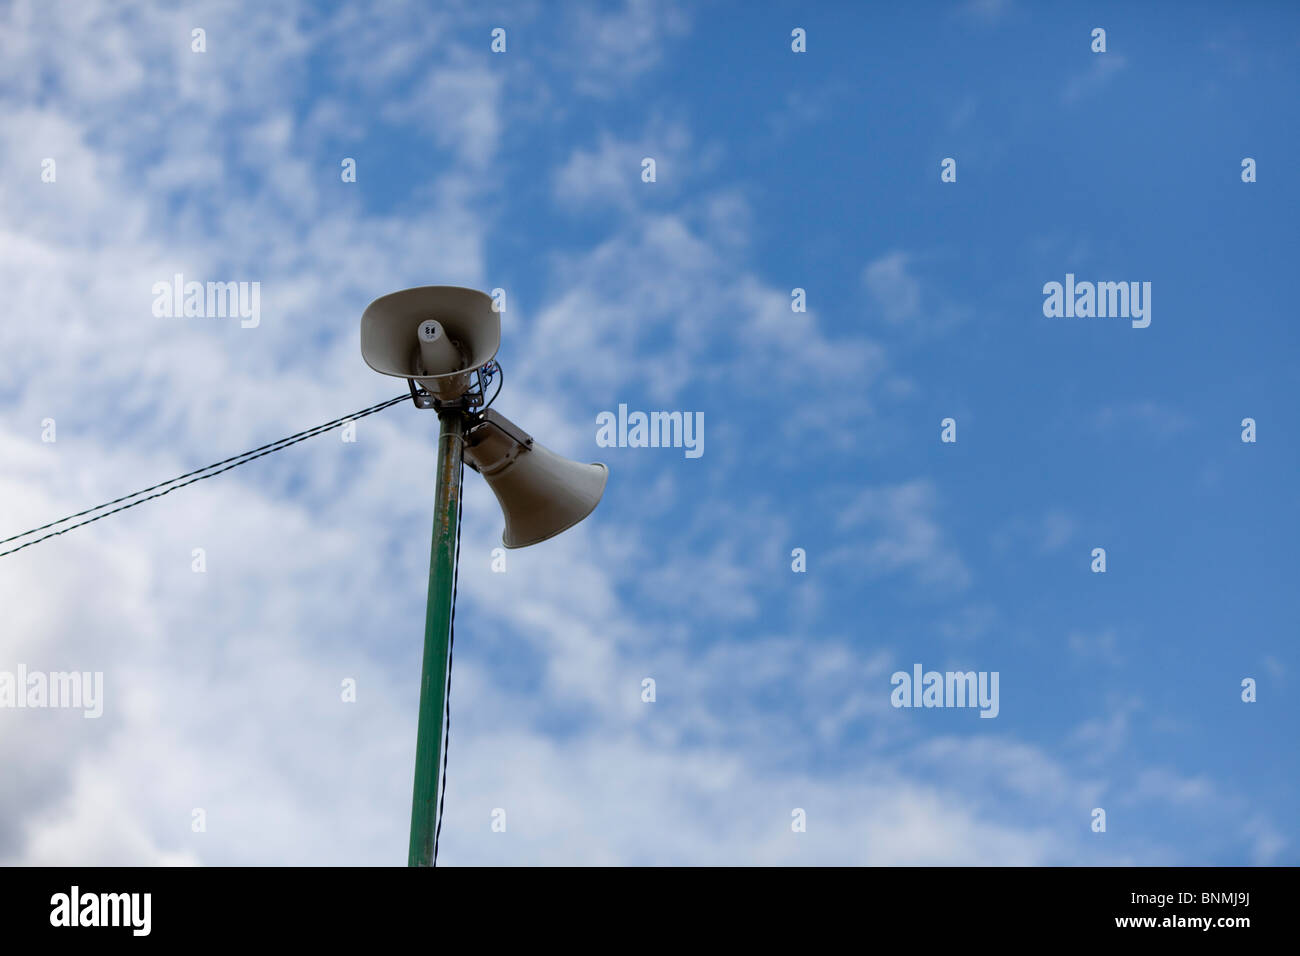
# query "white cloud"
(459, 106)
(610, 173)
(1044, 534)
(905, 534)
(986, 10)
(1158, 417)
(223, 688)
(1100, 645)
(613, 47)
(1104, 68)
(896, 291)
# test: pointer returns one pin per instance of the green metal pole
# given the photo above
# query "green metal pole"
(437, 633)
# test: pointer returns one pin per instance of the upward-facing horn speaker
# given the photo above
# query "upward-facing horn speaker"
(540, 493)
(435, 334)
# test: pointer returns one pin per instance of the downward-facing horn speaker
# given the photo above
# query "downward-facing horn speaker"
(540, 493)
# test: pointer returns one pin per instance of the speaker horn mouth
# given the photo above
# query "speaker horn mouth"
(513, 541)
(391, 342)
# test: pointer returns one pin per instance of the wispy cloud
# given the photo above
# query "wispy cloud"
(611, 172)
(1099, 74)
(895, 290)
(1042, 534)
(1158, 417)
(905, 533)
(226, 165)
(622, 43)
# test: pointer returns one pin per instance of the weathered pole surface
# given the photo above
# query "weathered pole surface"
(437, 634)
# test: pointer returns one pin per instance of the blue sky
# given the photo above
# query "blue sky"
(775, 170)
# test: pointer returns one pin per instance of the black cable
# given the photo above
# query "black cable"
(497, 373)
(177, 478)
(451, 648)
(237, 459)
